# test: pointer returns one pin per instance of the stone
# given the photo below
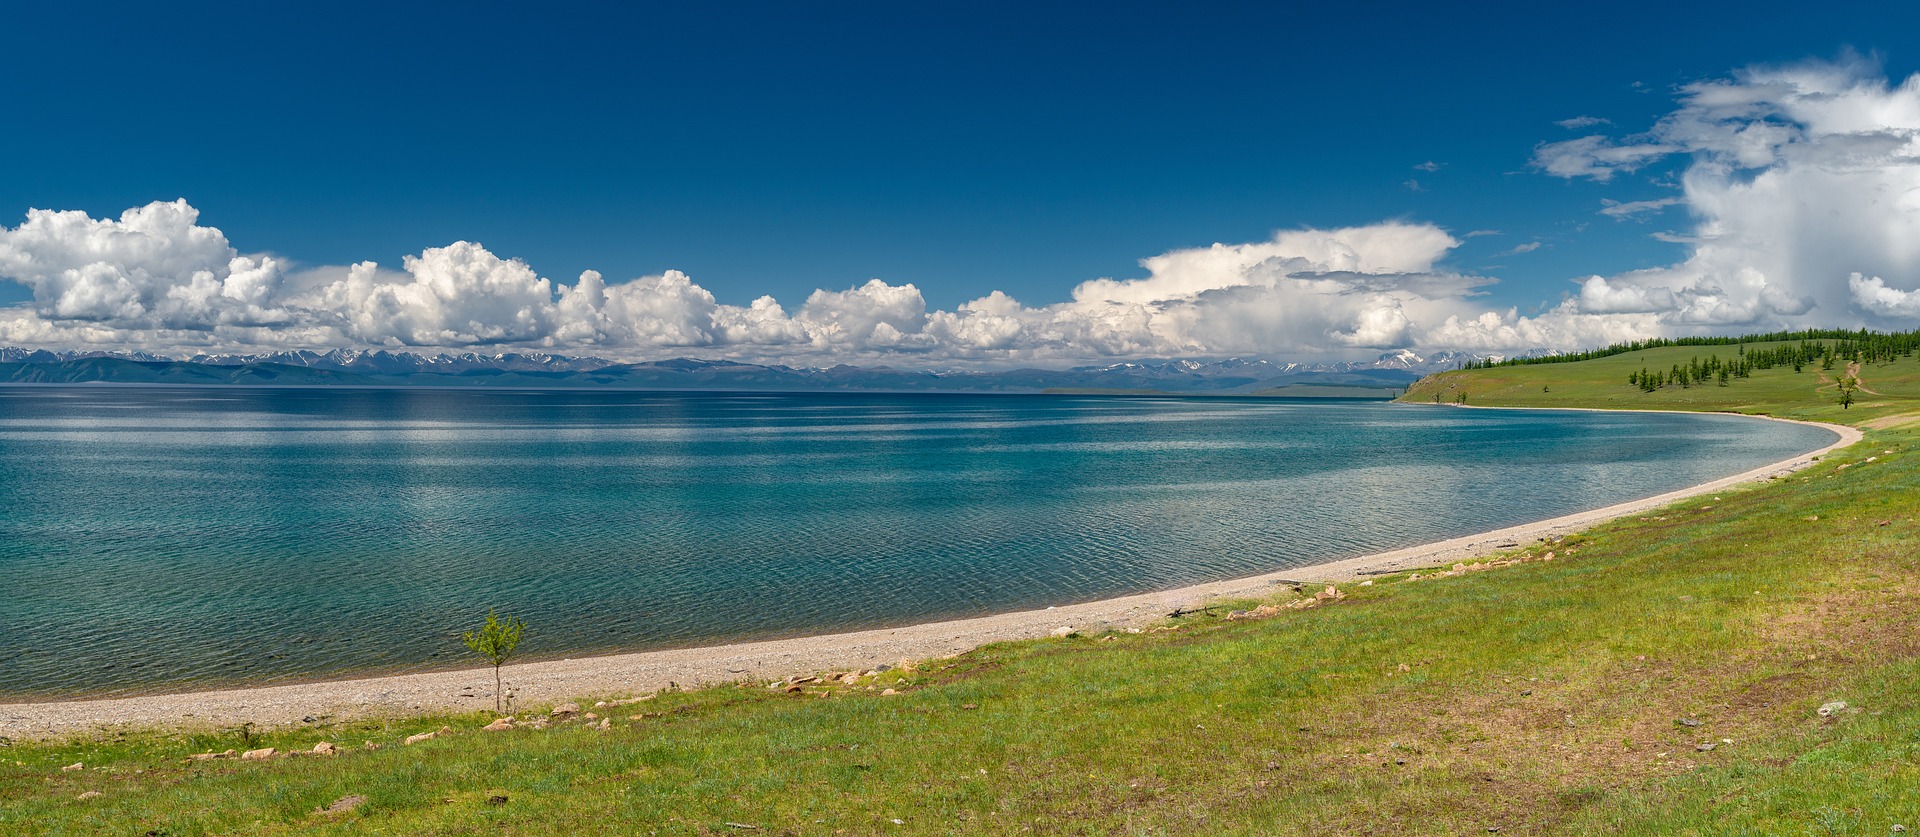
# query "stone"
(1828, 710)
(565, 709)
(256, 755)
(89, 795)
(325, 748)
(500, 725)
(1064, 631)
(605, 723)
(1706, 746)
(889, 693)
(344, 804)
(74, 766)
(590, 716)
(425, 736)
(1687, 722)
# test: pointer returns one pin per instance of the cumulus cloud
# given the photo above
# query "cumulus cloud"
(155, 267)
(1800, 179)
(158, 279)
(1871, 293)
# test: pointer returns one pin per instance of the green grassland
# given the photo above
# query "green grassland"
(1813, 393)
(1574, 695)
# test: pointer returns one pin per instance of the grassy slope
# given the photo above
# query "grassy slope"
(1813, 393)
(1537, 698)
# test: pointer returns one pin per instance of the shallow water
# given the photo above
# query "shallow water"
(157, 538)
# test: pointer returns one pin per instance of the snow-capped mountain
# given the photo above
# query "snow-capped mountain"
(384, 362)
(379, 367)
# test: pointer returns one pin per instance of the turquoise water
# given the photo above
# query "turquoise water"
(161, 538)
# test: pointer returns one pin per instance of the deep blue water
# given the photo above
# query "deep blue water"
(157, 538)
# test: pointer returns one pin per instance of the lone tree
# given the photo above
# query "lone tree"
(495, 641)
(1848, 384)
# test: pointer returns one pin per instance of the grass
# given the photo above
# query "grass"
(1545, 697)
(1890, 388)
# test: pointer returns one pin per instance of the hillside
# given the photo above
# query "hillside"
(1738, 663)
(1886, 387)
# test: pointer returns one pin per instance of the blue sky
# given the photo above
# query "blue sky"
(776, 149)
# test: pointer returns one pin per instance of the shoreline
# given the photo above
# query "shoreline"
(551, 681)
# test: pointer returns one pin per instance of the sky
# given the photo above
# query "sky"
(953, 185)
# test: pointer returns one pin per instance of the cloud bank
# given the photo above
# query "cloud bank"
(1802, 185)
(157, 278)
(1803, 182)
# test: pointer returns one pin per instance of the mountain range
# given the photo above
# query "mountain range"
(379, 367)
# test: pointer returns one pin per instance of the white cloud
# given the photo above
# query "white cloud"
(1872, 294)
(874, 314)
(1428, 166)
(159, 280)
(1596, 156)
(1518, 249)
(1619, 210)
(155, 267)
(1579, 122)
(458, 295)
(1798, 177)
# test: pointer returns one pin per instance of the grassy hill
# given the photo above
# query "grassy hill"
(1663, 674)
(1886, 387)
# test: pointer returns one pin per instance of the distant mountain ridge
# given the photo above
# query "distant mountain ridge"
(379, 367)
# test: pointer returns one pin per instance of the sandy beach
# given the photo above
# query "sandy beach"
(638, 673)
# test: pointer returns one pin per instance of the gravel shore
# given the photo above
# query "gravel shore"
(638, 673)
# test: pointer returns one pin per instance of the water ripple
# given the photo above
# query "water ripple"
(160, 538)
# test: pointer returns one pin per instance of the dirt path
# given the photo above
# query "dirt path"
(1853, 369)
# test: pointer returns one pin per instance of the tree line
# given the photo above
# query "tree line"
(1863, 345)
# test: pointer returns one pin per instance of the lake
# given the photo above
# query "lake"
(167, 538)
